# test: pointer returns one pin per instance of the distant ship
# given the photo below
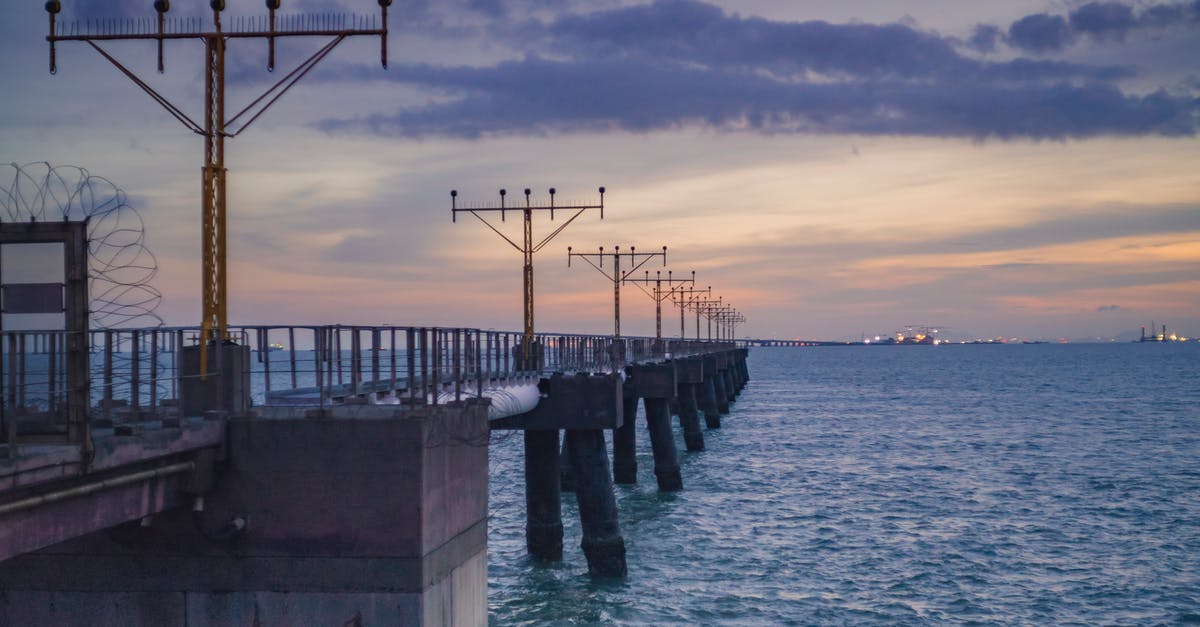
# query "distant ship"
(1161, 336)
(912, 335)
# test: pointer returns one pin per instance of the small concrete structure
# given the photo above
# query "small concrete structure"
(357, 515)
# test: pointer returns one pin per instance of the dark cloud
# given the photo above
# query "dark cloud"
(1101, 21)
(1040, 33)
(693, 32)
(537, 96)
(984, 38)
(684, 63)
(1165, 15)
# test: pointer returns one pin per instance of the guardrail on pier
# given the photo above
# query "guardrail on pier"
(135, 373)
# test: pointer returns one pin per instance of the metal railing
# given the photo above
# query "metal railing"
(135, 374)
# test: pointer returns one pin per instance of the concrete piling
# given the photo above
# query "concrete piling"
(712, 413)
(625, 445)
(689, 418)
(743, 354)
(566, 469)
(543, 498)
(721, 393)
(731, 390)
(602, 542)
(662, 441)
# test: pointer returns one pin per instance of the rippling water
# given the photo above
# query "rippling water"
(901, 485)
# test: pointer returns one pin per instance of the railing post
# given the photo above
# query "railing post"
(154, 370)
(333, 336)
(318, 350)
(21, 369)
(355, 360)
(410, 357)
(292, 355)
(478, 365)
(108, 368)
(52, 368)
(337, 353)
(176, 357)
(457, 348)
(437, 364)
(490, 355)
(135, 367)
(508, 365)
(376, 340)
(263, 340)
(321, 359)
(425, 387)
(392, 357)
(318, 371)
(11, 392)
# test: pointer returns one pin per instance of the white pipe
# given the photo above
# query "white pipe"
(506, 401)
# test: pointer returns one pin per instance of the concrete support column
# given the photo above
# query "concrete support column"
(662, 441)
(689, 418)
(566, 469)
(602, 542)
(625, 445)
(543, 500)
(721, 391)
(712, 413)
(731, 390)
(371, 515)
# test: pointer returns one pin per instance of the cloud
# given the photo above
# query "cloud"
(537, 96)
(673, 64)
(696, 33)
(1100, 21)
(985, 37)
(1103, 19)
(1108, 309)
(1040, 33)
(1097, 223)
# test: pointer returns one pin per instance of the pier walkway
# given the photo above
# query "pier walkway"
(243, 469)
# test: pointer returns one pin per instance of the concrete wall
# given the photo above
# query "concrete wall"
(370, 518)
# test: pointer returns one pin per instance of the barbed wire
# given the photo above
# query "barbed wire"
(121, 268)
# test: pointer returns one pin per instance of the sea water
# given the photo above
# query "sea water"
(981, 484)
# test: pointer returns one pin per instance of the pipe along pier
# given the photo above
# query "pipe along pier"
(334, 472)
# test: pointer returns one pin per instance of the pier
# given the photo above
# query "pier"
(333, 472)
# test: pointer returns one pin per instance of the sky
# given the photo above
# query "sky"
(830, 168)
